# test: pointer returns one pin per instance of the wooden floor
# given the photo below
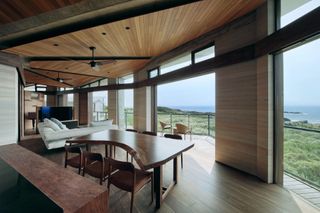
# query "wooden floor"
(206, 186)
(302, 189)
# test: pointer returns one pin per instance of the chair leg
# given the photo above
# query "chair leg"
(181, 160)
(79, 170)
(132, 200)
(152, 188)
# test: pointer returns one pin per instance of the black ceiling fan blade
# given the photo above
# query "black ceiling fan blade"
(84, 58)
(101, 63)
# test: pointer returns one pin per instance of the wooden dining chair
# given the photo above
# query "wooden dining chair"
(164, 126)
(128, 178)
(96, 166)
(129, 130)
(149, 133)
(176, 137)
(74, 161)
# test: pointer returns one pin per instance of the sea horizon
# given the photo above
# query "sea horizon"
(204, 108)
(309, 113)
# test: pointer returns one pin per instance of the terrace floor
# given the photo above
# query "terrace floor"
(302, 189)
(206, 186)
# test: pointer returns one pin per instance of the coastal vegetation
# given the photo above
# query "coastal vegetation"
(302, 151)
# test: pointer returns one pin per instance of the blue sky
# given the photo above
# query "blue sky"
(199, 91)
(302, 66)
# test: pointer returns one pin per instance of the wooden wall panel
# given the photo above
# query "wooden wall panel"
(83, 108)
(236, 116)
(244, 102)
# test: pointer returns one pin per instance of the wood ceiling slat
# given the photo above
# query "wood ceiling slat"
(151, 34)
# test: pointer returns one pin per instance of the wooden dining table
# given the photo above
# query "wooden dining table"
(150, 152)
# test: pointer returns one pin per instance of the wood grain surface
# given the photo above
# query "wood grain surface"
(148, 151)
(73, 193)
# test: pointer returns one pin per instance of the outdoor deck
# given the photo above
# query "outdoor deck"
(304, 190)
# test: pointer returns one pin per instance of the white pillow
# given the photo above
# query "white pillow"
(51, 124)
(61, 125)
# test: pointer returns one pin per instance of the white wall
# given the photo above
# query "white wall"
(8, 105)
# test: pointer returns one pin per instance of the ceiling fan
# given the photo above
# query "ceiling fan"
(95, 65)
(61, 80)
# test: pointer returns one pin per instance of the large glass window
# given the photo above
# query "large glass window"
(190, 102)
(70, 100)
(128, 102)
(177, 63)
(302, 113)
(100, 105)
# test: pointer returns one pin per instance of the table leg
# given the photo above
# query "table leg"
(175, 170)
(158, 185)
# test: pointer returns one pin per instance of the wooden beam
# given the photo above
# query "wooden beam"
(44, 76)
(76, 17)
(295, 32)
(71, 73)
(84, 58)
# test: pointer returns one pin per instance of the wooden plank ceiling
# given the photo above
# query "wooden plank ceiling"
(148, 35)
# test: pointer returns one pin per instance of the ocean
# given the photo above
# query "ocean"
(195, 108)
(303, 113)
(294, 113)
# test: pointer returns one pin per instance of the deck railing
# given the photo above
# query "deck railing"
(100, 116)
(302, 154)
(201, 124)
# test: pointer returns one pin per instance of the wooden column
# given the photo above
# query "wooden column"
(83, 108)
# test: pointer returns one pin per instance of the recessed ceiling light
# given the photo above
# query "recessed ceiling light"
(55, 45)
(127, 28)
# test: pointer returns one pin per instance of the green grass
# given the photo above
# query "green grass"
(302, 154)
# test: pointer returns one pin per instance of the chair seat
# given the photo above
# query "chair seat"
(74, 161)
(94, 169)
(123, 179)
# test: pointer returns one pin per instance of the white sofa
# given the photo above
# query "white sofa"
(56, 137)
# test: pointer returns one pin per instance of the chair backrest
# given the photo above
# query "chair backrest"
(181, 128)
(131, 130)
(73, 149)
(162, 124)
(90, 156)
(149, 133)
(178, 137)
(121, 165)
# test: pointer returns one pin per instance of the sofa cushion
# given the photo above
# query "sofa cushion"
(61, 125)
(51, 124)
